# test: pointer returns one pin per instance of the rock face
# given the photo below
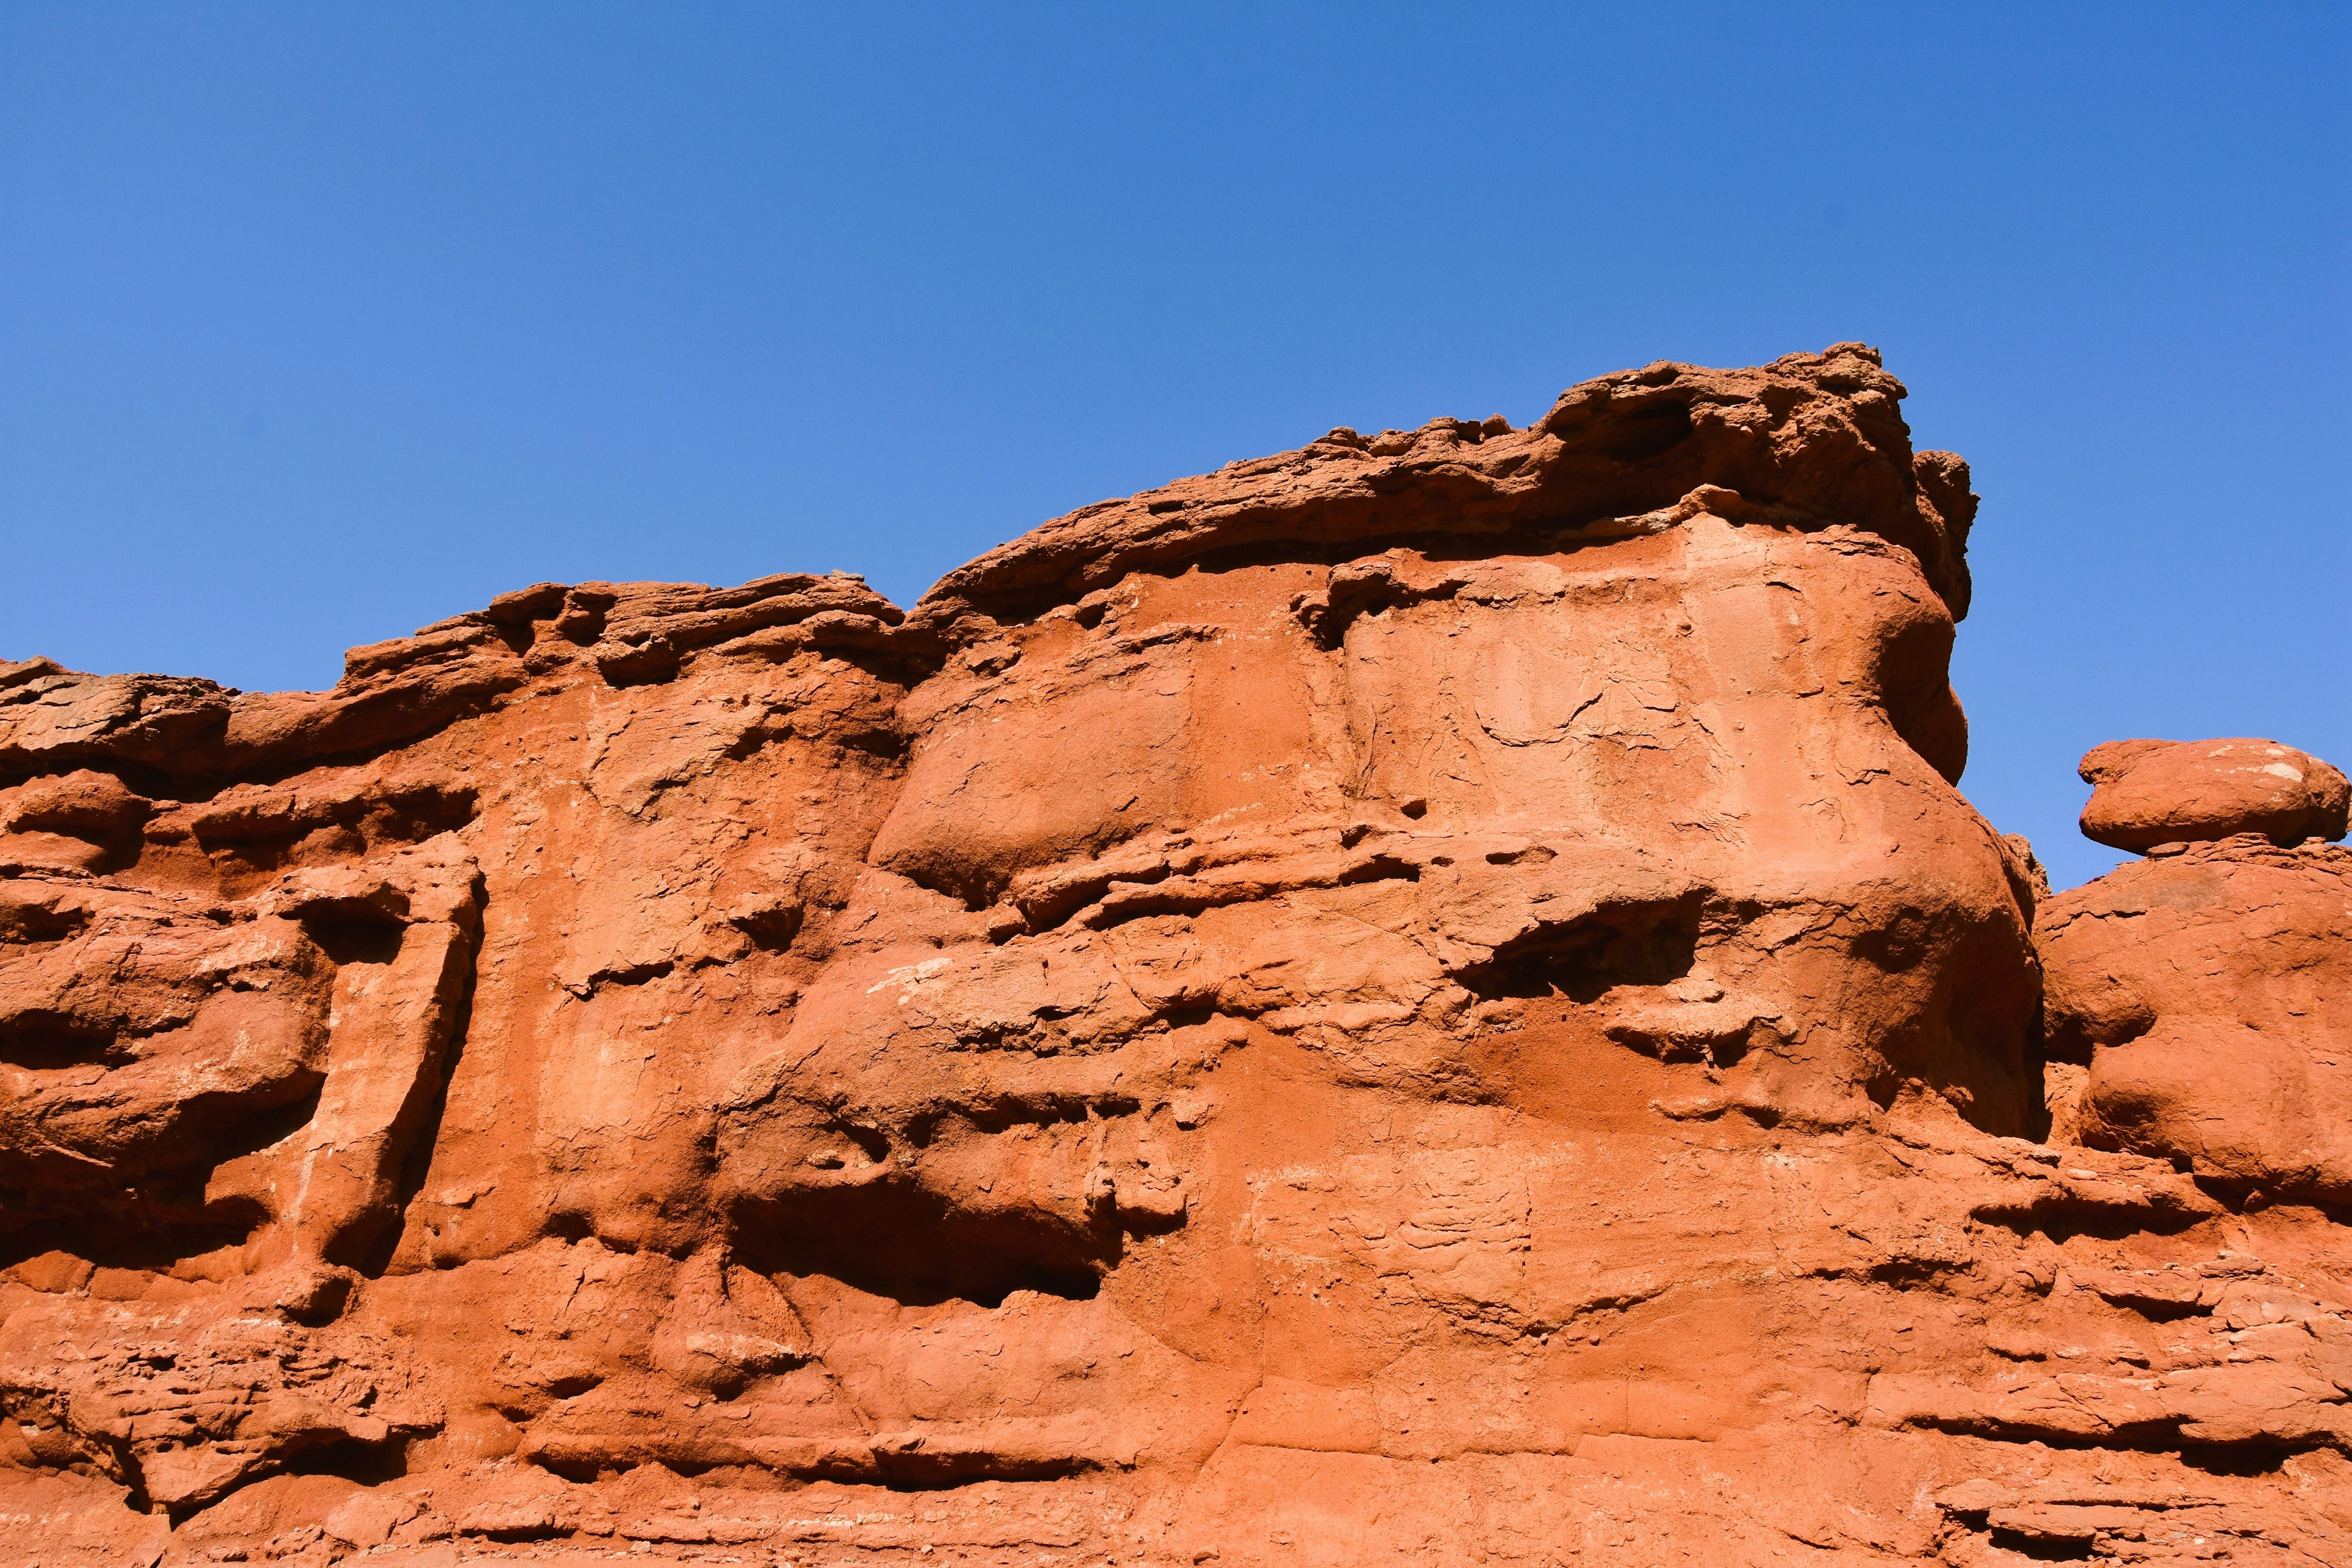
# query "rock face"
(2208, 994)
(1428, 998)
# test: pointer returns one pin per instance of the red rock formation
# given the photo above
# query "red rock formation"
(1427, 998)
(2161, 792)
(2207, 990)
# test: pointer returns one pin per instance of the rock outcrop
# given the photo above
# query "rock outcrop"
(1428, 998)
(2207, 993)
(2150, 792)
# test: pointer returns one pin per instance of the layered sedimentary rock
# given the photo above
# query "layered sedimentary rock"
(1431, 997)
(2206, 992)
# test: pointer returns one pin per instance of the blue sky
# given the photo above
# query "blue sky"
(322, 321)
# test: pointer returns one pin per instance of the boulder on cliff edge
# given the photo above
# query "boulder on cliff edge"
(2205, 988)
(2148, 793)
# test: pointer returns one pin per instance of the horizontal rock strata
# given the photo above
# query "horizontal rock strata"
(1429, 998)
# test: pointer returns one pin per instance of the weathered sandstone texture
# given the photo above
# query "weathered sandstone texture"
(2151, 792)
(1430, 998)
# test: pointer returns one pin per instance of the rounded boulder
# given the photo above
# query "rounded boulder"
(2146, 793)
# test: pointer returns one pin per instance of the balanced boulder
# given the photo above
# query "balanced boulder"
(2205, 987)
(2148, 793)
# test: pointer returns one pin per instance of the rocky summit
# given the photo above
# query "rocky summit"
(1432, 998)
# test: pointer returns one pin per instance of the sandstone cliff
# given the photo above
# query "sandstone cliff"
(1430, 998)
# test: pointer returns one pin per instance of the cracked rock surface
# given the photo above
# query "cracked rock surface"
(1430, 998)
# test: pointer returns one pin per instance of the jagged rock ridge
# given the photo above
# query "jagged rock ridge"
(1430, 998)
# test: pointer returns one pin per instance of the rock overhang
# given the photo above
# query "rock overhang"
(1811, 439)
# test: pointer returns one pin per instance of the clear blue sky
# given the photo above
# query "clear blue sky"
(320, 321)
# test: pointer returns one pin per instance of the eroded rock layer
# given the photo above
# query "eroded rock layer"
(1428, 998)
